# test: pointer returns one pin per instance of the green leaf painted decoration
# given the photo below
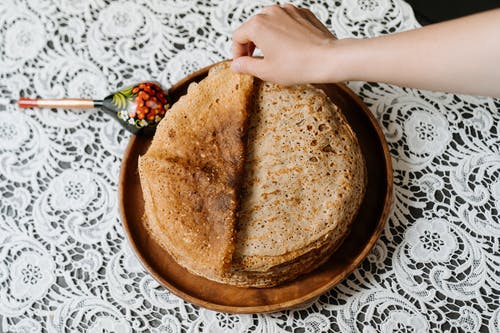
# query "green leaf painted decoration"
(122, 98)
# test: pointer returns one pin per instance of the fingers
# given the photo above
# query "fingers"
(286, 9)
(298, 14)
(249, 65)
(293, 11)
(308, 15)
(241, 50)
(244, 37)
(241, 40)
(304, 14)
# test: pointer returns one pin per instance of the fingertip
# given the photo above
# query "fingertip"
(236, 65)
(244, 65)
(249, 65)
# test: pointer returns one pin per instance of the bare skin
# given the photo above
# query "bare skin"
(461, 55)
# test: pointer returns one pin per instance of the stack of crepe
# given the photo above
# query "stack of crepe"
(251, 183)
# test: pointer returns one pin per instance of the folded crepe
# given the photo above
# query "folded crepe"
(191, 173)
(251, 183)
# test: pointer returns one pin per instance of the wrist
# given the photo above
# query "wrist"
(338, 60)
(343, 60)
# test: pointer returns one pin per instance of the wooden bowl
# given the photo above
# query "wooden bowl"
(225, 298)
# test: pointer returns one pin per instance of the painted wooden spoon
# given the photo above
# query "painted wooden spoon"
(139, 108)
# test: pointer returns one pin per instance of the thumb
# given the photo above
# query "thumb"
(248, 65)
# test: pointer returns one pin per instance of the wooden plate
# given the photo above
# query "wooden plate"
(220, 297)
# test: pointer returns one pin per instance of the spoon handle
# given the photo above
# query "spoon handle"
(69, 103)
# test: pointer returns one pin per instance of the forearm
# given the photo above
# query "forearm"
(462, 55)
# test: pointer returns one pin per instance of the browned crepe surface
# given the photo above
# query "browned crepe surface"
(304, 182)
(191, 173)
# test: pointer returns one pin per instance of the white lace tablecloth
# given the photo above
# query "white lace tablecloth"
(65, 265)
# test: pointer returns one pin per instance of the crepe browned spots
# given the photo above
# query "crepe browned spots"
(191, 173)
(304, 182)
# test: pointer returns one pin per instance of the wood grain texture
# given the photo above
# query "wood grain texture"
(220, 297)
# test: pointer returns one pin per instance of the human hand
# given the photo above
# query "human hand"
(297, 47)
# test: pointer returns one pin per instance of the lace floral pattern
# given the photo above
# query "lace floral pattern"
(65, 265)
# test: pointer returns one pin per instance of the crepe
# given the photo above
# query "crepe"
(304, 181)
(191, 173)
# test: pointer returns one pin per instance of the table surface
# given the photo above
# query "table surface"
(65, 265)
